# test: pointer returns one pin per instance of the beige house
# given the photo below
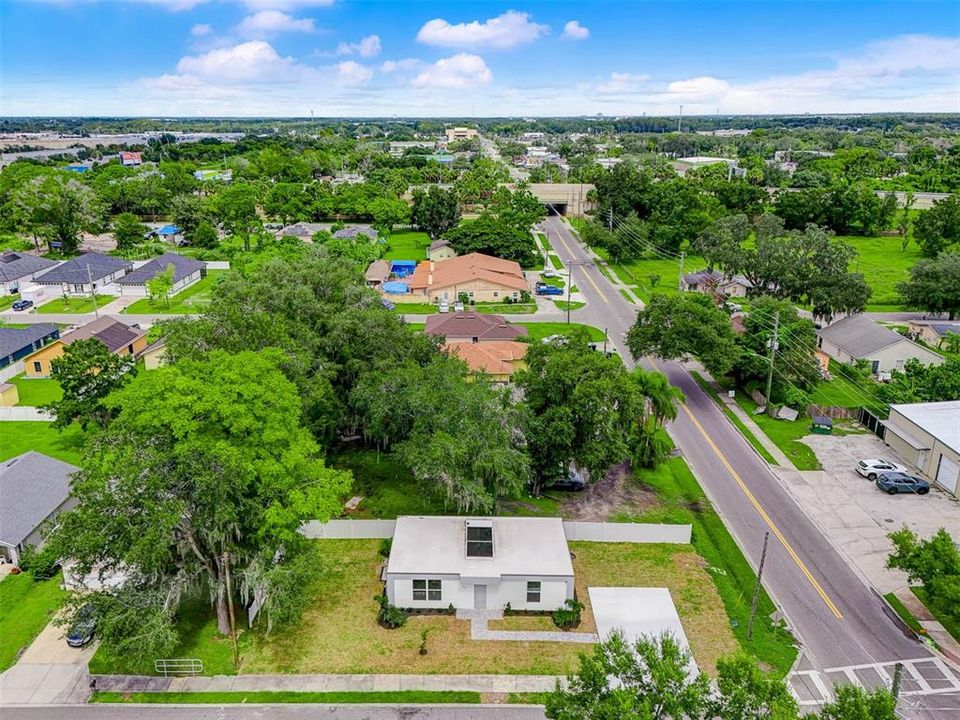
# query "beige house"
(440, 250)
(714, 282)
(155, 355)
(120, 339)
(497, 358)
(858, 338)
(933, 332)
(481, 278)
(928, 435)
(9, 395)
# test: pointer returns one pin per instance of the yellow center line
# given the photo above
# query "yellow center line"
(766, 518)
(589, 279)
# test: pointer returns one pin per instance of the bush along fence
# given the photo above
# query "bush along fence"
(585, 531)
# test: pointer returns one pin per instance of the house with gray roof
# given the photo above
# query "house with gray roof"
(856, 337)
(35, 488)
(186, 271)
(354, 231)
(714, 282)
(85, 274)
(303, 230)
(934, 332)
(17, 343)
(17, 268)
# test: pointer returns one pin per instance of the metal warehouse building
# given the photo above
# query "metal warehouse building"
(928, 435)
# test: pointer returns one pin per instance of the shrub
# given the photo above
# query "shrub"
(390, 616)
(42, 563)
(385, 545)
(423, 641)
(451, 610)
(797, 399)
(507, 610)
(568, 616)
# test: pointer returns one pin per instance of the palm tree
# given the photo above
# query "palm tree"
(661, 401)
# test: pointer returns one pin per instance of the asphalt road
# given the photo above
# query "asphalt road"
(273, 712)
(840, 621)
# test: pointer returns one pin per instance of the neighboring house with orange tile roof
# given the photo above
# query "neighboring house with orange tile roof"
(498, 358)
(472, 326)
(482, 278)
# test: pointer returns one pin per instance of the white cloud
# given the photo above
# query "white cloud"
(201, 30)
(353, 74)
(508, 30)
(271, 22)
(254, 61)
(404, 65)
(461, 70)
(573, 30)
(368, 47)
(704, 88)
(621, 82)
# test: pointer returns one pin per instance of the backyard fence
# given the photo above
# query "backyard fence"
(589, 531)
(24, 413)
(11, 371)
(218, 264)
(833, 412)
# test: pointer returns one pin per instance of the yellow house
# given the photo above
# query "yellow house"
(9, 396)
(120, 338)
(155, 355)
(440, 250)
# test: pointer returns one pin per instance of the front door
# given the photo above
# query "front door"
(479, 597)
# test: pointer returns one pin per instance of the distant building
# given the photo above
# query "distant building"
(440, 250)
(168, 233)
(303, 230)
(499, 359)
(85, 274)
(933, 332)
(377, 273)
(213, 175)
(858, 338)
(472, 327)
(399, 147)
(481, 278)
(443, 158)
(928, 435)
(461, 133)
(79, 167)
(714, 282)
(186, 271)
(608, 162)
(355, 231)
(131, 159)
(18, 343)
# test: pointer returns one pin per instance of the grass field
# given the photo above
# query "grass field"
(189, 300)
(680, 499)
(339, 633)
(504, 309)
(884, 265)
(840, 392)
(234, 698)
(948, 617)
(574, 305)
(540, 330)
(17, 437)
(388, 488)
(36, 391)
(408, 245)
(784, 434)
(26, 606)
(649, 276)
(555, 261)
(415, 308)
(7, 300)
(74, 304)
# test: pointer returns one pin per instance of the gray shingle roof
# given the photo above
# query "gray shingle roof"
(14, 266)
(32, 486)
(354, 231)
(74, 271)
(182, 267)
(14, 339)
(859, 336)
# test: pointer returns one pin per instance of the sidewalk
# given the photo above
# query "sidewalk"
(500, 684)
(935, 630)
(607, 270)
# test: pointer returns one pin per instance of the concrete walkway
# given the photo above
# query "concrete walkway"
(479, 630)
(751, 425)
(935, 630)
(24, 413)
(49, 671)
(500, 684)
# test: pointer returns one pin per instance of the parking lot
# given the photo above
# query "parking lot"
(857, 516)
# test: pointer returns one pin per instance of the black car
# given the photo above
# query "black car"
(22, 304)
(574, 480)
(898, 482)
(84, 627)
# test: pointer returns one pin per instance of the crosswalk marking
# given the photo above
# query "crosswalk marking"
(821, 681)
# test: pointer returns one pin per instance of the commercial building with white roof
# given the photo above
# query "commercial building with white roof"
(479, 563)
(928, 435)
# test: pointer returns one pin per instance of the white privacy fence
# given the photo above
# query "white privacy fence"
(590, 531)
(24, 413)
(218, 264)
(11, 371)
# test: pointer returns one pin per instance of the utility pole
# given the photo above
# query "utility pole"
(605, 338)
(93, 294)
(683, 256)
(774, 344)
(756, 588)
(897, 679)
(610, 219)
(680, 118)
(569, 281)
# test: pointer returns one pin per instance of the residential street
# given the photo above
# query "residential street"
(274, 712)
(840, 621)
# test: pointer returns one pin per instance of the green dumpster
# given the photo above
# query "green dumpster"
(821, 425)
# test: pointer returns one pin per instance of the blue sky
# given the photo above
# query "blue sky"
(422, 58)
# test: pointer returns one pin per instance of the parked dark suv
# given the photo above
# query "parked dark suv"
(83, 628)
(22, 304)
(898, 482)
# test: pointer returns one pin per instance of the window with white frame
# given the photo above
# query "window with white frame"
(480, 540)
(427, 590)
(533, 591)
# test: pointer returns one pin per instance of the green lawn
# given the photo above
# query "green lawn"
(681, 500)
(408, 245)
(574, 305)
(37, 391)
(75, 304)
(387, 487)
(731, 416)
(415, 308)
(653, 276)
(903, 612)
(189, 300)
(784, 434)
(626, 296)
(948, 617)
(504, 309)
(17, 437)
(840, 392)
(540, 330)
(26, 606)
(411, 697)
(7, 300)
(884, 265)
(556, 261)
(555, 281)
(197, 626)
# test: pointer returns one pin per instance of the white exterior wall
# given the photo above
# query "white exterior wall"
(554, 592)
(892, 357)
(929, 461)
(141, 290)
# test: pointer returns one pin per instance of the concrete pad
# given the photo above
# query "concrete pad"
(51, 647)
(638, 612)
(386, 683)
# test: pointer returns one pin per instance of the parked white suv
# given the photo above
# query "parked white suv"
(871, 467)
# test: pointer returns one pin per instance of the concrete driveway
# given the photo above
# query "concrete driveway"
(855, 515)
(49, 671)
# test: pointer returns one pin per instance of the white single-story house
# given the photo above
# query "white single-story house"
(84, 274)
(928, 435)
(479, 563)
(186, 271)
(19, 268)
(34, 488)
(858, 338)
(714, 282)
